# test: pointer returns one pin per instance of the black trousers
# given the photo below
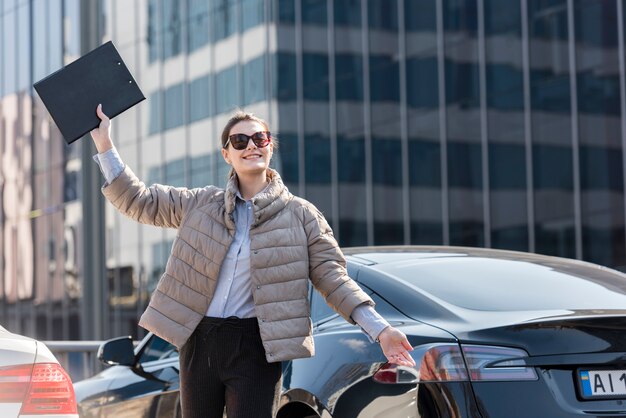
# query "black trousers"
(223, 364)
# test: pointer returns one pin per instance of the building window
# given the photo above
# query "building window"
(314, 12)
(315, 74)
(199, 99)
(284, 76)
(198, 33)
(254, 81)
(154, 31)
(383, 14)
(349, 77)
(226, 87)
(224, 16)
(347, 13)
(384, 79)
(172, 39)
(155, 121)
(285, 11)
(174, 106)
(252, 13)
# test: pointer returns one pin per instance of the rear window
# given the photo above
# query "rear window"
(502, 285)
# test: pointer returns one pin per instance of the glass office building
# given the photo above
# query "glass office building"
(492, 123)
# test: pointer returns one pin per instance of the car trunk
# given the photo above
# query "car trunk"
(580, 361)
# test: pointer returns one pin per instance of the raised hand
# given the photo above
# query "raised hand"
(102, 134)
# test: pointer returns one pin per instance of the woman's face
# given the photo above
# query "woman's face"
(252, 159)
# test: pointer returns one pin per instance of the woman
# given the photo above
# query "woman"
(234, 295)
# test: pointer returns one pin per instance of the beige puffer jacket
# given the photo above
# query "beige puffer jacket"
(290, 244)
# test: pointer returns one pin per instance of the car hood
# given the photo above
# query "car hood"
(16, 349)
(544, 332)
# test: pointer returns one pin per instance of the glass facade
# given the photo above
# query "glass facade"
(39, 176)
(495, 123)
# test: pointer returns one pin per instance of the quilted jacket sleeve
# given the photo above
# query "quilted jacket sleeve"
(156, 205)
(327, 267)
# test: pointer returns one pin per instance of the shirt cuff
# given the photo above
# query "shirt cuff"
(110, 164)
(369, 320)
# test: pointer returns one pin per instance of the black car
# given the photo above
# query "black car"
(495, 334)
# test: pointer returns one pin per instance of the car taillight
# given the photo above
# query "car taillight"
(497, 363)
(453, 363)
(14, 382)
(50, 392)
(44, 388)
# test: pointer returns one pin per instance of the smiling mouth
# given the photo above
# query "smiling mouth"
(254, 156)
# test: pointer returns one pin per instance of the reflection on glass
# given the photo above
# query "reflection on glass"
(200, 105)
(347, 13)
(285, 11)
(317, 159)
(463, 123)
(155, 120)
(224, 17)
(201, 170)
(174, 106)
(465, 182)
(254, 80)
(40, 45)
(505, 125)
(252, 13)
(387, 183)
(55, 35)
(315, 76)
(599, 110)
(154, 30)
(421, 81)
(226, 86)
(172, 39)
(384, 78)
(383, 14)
(288, 150)
(23, 48)
(314, 12)
(284, 76)
(174, 172)
(7, 66)
(551, 125)
(198, 24)
(422, 95)
(425, 191)
(349, 77)
(386, 148)
(349, 81)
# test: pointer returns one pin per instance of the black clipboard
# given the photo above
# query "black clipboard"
(72, 93)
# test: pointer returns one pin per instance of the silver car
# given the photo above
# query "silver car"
(32, 382)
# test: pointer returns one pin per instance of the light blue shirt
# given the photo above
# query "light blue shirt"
(233, 296)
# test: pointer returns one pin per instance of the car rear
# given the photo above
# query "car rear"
(579, 362)
(32, 382)
(536, 336)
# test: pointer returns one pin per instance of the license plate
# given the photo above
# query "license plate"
(602, 383)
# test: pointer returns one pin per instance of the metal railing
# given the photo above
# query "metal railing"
(79, 358)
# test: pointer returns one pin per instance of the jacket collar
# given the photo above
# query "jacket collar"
(265, 204)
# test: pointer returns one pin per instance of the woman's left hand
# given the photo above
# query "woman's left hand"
(396, 347)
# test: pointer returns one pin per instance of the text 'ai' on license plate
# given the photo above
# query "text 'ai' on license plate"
(602, 383)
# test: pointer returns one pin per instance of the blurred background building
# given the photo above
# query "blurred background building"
(493, 123)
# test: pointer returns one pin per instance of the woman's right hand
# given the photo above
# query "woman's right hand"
(102, 134)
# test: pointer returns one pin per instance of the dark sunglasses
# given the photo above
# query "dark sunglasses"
(240, 141)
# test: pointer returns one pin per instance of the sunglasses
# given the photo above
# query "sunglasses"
(240, 141)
